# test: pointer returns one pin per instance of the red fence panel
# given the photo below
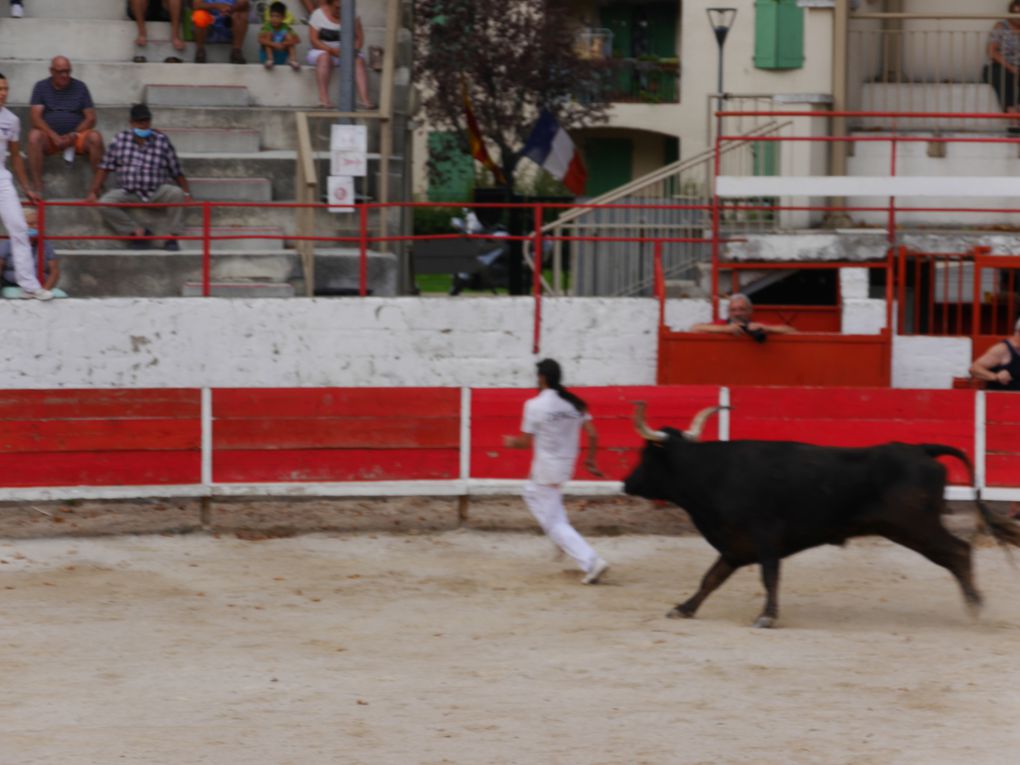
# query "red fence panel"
(857, 417)
(100, 437)
(335, 434)
(497, 412)
(1002, 446)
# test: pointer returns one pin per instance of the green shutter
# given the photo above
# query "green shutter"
(452, 172)
(763, 157)
(778, 34)
(618, 18)
(609, 162)
(662, 29)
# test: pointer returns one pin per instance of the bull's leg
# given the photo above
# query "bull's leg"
(934, 542)
(718, 573)
(770, 578)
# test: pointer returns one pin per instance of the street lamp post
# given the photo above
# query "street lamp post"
(721, 20)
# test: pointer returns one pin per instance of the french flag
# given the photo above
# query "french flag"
(551, 147)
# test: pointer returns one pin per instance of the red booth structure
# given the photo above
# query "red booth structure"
(439, 441)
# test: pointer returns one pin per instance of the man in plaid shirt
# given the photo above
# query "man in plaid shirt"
(145, 162)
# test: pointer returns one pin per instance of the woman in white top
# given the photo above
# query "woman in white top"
(324, 36)
(552, 426)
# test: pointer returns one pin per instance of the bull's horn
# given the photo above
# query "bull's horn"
(643, 430)
(698, 423)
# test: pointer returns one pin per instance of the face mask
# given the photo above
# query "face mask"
(143, 132)
(33, 233)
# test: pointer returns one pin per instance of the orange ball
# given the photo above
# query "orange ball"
(202, 19)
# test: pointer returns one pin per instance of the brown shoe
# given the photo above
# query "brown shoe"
(200, 56)
(236, 57)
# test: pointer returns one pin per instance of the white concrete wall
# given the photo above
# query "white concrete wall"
(480, 342)
(185, 342)
(929, 362)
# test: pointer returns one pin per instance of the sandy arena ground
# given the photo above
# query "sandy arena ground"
(477, 647)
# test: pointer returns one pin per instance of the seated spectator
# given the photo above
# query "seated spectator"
(156, 10)
(277, 40)
(999, 366)
(9, 280)
(1004, 61)
(220, 21)
(145, 162)
(17, 11)
(738, 322)
(63, 120)
(324, 36)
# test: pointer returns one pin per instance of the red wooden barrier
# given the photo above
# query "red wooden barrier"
(1002, 444)
(100, 437)
(496, 412)
(691, 358)
(857, 417)
(335, 434)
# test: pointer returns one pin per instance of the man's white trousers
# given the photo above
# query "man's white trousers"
(14, 221)
(546, 504)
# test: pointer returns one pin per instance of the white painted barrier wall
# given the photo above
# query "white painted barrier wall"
(478, 342)
(196, 342)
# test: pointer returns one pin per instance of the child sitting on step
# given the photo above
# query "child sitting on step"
(277, 41)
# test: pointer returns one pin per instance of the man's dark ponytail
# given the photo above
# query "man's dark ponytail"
(552, 374)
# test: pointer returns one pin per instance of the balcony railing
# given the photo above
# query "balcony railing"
(900, 62)
(643, 81)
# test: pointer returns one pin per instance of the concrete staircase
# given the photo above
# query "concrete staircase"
(235, 131)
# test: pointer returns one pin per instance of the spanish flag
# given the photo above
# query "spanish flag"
(475, 142)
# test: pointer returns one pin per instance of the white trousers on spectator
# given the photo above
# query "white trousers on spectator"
(13, 218)
(546, 504)
(122, 219)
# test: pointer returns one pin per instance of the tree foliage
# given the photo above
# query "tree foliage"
(515, 57)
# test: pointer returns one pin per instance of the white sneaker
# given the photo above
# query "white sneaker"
(592, 577)
(17, 11)
(39, 294)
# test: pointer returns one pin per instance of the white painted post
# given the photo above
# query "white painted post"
(979, 440)
(465, 434)
(206, 415)
(724, 414)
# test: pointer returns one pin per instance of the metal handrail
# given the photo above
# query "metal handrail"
(656, 176)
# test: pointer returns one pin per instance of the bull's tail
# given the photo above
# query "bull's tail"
(1004, 530)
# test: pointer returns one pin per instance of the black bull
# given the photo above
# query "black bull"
(759, 501)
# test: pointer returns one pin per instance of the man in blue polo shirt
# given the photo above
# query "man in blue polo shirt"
(63, 120)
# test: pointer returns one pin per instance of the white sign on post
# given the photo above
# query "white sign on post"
(341, 194)
(348, 157)
(348, 138)
(354, 163)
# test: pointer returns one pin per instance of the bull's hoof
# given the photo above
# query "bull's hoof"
(764, 622)
(679, 613)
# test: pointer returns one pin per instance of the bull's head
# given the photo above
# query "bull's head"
(654, 476)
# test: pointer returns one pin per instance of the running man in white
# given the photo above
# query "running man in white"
(10, 205)
(552, 427)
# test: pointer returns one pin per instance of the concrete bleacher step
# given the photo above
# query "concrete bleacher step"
(83, 9)
(84, 220)
(197, 95)
(240, 289)
(231, 189)
(157, 273)
(244, 238)
(207, 140)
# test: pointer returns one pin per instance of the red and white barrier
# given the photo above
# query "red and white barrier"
(122, 443)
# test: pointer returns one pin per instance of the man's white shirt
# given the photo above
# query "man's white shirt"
(555, 426)
(10, 130)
